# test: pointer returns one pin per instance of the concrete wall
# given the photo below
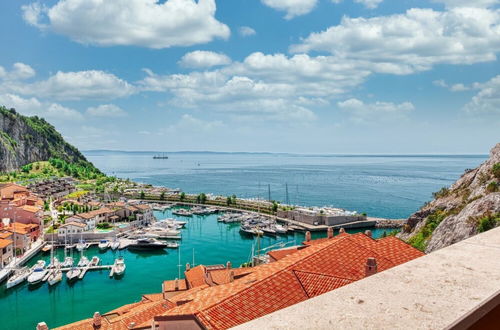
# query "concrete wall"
(450, 288)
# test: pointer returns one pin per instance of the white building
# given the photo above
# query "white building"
(71, 228)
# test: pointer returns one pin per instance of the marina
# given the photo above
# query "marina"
(205, 240)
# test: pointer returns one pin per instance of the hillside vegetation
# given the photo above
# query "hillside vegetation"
(470, 206)
(27, 140)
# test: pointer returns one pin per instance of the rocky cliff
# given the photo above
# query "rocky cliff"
(471, 205)
(24, 140)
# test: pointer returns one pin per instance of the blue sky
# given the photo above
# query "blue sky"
(304, 76)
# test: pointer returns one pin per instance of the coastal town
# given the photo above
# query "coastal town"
(53, 213)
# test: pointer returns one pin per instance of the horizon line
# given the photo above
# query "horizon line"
(284, 153)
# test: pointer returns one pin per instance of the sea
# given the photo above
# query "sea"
(382, 186)
(387, 186)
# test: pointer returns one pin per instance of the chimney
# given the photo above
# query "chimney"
(308, 236)
(231, 276)
(341, 231)
(176, 284)
(329, 232)
(42, 326)
(97, 320)
(228, 265)
(368, 233)
(371, 266)
(188, 267)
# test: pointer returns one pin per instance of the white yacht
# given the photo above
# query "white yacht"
(80, 246)
(119, 266)
(103, 244)
(95, 261)
(280, 229)
(20, 275)
(84, 261)
(37, 276)
(54, 263)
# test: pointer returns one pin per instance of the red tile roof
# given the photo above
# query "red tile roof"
(281, 253)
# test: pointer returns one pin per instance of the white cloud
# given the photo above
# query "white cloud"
(371, 4)
(487, 100)
(468, 3)
(32, 106)
(292, 8)
(412, 42)
(377, 111)
(246, 31)
(20, 71)
(106, 110)
(76, 86)
(146, 23)
(204, 59)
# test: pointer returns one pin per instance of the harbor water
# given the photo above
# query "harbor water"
(204, 240)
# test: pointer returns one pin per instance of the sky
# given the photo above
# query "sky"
(300, 76)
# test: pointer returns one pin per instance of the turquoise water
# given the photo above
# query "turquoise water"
(381, 186)
(212, 242)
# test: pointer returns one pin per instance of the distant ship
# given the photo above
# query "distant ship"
(162, 156)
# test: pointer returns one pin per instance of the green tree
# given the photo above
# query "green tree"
(203, 198)
(182, 196)
(143, 195)
(275, 206)
(228, 200)
(162, 196)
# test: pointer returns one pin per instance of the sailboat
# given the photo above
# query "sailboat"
(20, 274)
(74, 272)
(68, 260)
(115, 244)
(55, 276)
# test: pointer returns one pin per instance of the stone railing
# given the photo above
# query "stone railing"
(457, 287)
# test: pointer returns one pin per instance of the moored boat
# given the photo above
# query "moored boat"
(73, 273)
(68, 262)
(172, 245)
(94, 261)
(280, 229)
(115, 244)
(55, 276)
(83, 262)
(103, 244)
(147, 244)
(20, 275)
(183, 213)
(47, 248)
(37, 276)
(119, 267)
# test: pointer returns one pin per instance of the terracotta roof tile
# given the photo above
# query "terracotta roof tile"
(279, 254)
(195, 276)
(316, 284)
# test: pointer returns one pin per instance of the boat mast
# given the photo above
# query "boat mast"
(179, 263)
